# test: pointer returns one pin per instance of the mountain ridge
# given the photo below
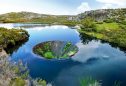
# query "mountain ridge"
(98, 15)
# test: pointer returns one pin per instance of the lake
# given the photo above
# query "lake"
(94, 58)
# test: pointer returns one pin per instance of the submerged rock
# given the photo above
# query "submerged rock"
(55, 49)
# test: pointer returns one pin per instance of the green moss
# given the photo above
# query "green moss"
(49, 55)
(41, 82)
(67, 46)
(17, 82)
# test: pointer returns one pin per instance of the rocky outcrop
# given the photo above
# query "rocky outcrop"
(102, 14)
(3, 53)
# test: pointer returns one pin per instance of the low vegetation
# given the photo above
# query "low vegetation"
(11, 37)
(29, 17)
(17, 75)
(89, 81)
(113, 32)
(14, 74)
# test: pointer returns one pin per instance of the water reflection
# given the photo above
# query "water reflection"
(86, 39)
(106, 72)
(10, 49)
(93, 50)
(21, 25)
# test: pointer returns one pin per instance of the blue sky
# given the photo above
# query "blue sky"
(58, 7)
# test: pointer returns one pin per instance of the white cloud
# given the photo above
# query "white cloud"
(107, 6)
(84, 6)
(86, 51)
(6, 7)
(119, 3)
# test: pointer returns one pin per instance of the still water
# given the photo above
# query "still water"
(94, 59)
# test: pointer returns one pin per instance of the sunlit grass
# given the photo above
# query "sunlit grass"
(107, 26)
(89, 81)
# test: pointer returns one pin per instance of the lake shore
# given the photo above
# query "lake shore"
(11, 37)
(114, 41)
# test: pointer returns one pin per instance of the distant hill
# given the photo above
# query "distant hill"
(20, 16)
(32, 17)
(98, 15)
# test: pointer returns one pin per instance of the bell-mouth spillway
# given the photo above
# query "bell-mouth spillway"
(55, 49)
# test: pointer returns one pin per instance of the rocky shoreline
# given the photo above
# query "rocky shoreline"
(3, 53)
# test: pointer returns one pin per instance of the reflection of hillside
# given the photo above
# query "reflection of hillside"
(10, 49)
(55, 49)
(31, 26)
(86, 39)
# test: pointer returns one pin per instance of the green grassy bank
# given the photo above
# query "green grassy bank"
(110, 32)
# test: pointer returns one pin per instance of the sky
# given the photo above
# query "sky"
(58, 7)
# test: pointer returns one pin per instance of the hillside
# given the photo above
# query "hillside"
(104, 14)
(98, 15)
(15, 17)
(107, 24)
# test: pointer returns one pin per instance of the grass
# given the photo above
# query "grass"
(89, 82)
(107, 26)
(94, 34)
(110, 32)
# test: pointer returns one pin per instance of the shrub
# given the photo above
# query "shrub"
(108, 21)
(123, 22)
(16, 75)
(88, 24)
(99, 22)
